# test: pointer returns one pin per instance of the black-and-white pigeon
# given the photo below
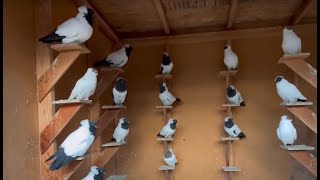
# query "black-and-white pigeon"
(74, 30)
(166, 97)
(74, 146)
(117, 58)
(95, 174)
(119, 92)
(85, 86)
(291, 42)
(169, 129)
(230, 58)
(286, 132)
(234, 96)
(170, 158)
(121, 131)
(166, 64)
(232, 129)
(288, 91)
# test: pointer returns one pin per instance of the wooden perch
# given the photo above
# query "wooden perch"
(228, 73)
(297, 104)
(305, 115)
(231, 169)
(164, 107)
(164, 139)
(70, 47)
(166, 168)
(117, 177)
(57, 124)
(163, 76)
(229, 139)
(108, 69)
(72, 101)
(57, 68)
(87, 155)
(298, 64)
(297, 148)
(112, 144)
(231, 105)
(306, 159)
(113, 107)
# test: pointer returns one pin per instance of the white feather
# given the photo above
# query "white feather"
(286, 132)
(291, 43)
(166, 131)
(166, 69)
(288, 91)
(119, 97)
(120, 134)
(230, 58)
(85, 86)
(92, 173)
(166, 97)
(172, 160)
(234, 131)
(119, 58)
(236, 99)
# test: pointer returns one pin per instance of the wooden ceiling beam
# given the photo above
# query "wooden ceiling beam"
(107, 30)
(300, 12)
(162, 16)
(215, 36)
(232, 13)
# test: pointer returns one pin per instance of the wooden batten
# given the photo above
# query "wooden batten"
(72, 101)
(229, 139)
(87, 155)
(293, 56)
(306, 159)
(163, 76)
(232, 13)
(228, 73)
(301, 11)
(297, 148)
(117, 177)
(113, 144)
(305, 115)
(162, 16)
(231, 169)
(113, 107)
(164, 139)
(166, 168)
(108, 69)
(70, 47)
(163, 107)
(231, 105)
(296, 104)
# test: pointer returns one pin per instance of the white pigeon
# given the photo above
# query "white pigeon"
(169, 157)
(234, 96)
(166, 97)
(95, 174)
(291, 43)
(288, 91)
(121, 131)
(169, 129)
(119, 92)
(286, 132)
(75, 145)
(232, 129)
(166, 64)
(85, 86)
(230, 58)
(117, 58)
(74, 30)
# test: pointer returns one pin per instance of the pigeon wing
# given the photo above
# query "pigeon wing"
(69, 28)
(78, 88)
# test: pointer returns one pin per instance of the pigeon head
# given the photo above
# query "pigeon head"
(172, 121)
(87, 13)
(288, 28)
(165, 54)
(226, 47)
(91, 125)
(165, 59)
(228, 119)
(278, 79)
(163, 87)
(170, 150)
(231, 91)
(120, 81)
(285, 117)
(124, 123)
(95, 170)
(128, 48)
(92, 70)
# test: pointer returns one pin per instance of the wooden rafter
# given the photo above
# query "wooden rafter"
(300, 12)
(213, 36)
(107, 30)
(232, 13)
(162, 16)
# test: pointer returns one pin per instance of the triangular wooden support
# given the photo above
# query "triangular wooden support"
(166, 168)
(163, 76)
(163, 107)
(306, 159)
(164, 139)
(298, 64)
(231, 169)
(72, 101)
(117, 177)
(305, 115)
(113, 144)
(297, 148)
(68, 53)
(113, 107)
(297, 104)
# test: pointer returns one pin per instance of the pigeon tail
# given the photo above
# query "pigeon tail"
(113, 139)
(242, 104)
(178, 100)
(241, 135)
(51, 38)
(301, 100)
(159, 135)
(61, 160)
(102, 63)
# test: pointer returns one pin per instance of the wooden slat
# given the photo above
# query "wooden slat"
(303, 69)
(306, 159)
(166, 168)
(70, 47)
(229, 139)
(231, 169)
(293, 56)
(117, 177)
(57, 124)
(232, 13)
(86, 156)
(305, 115)
(229, 72)
(297, 148)
(113, 144)
(296, 104)
(300, 12)
(110, 69)
(163, 107)
(231, 105)
(162, 16)
(56, 70)
(164, 139)
(101, 21)
(214, 36)
(105, 120)
(113, 107)
(163, 77)
(72, 101)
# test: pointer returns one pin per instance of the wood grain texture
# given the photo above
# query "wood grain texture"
(306, 159)
(232, 13)
(301, 11)
(162, 16)
(305, 115)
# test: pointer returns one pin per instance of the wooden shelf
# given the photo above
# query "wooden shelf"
(70, 47)
(117, 177)
(166, 168)
(72, 101)
(87, 155)
(163, 76)
(297, 148)
(229, 139)
(298, 64)
(112, 144)
(297, 104)
(231, 105)
(305, 115)
(58, 67)
(108, 69)
(229, 73)
(306, 159)
(231, 169)
(113, 107)
(164, 139)
(164, 107)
